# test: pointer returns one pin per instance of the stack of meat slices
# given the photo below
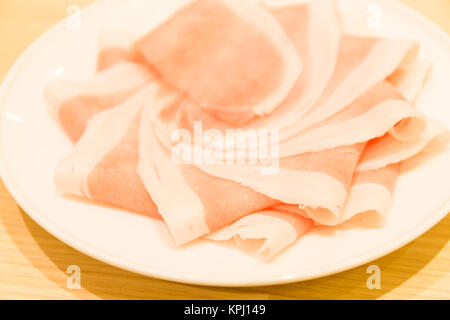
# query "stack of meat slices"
(341, 106)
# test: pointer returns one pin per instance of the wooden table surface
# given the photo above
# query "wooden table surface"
(33, 263)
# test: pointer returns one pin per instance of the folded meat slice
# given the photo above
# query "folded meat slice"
(236, 60)
(103, 164)
(265, 233)
(74, 103)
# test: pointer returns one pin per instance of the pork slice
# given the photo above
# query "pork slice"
(235, 59)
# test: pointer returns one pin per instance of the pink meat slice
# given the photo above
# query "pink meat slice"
(115, 181)
(236, 61)
(74, 103)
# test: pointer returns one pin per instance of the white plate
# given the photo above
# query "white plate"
(31, 143)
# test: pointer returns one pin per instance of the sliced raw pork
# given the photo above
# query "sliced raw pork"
(342, 106)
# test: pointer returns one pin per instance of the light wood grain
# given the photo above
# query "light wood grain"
(33, 263)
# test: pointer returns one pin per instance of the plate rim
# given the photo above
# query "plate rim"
(94, 252)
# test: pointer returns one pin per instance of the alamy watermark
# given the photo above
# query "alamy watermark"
(231, 146)
(374, 280)
(375, 19)
(73, 21)
(73, 282)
